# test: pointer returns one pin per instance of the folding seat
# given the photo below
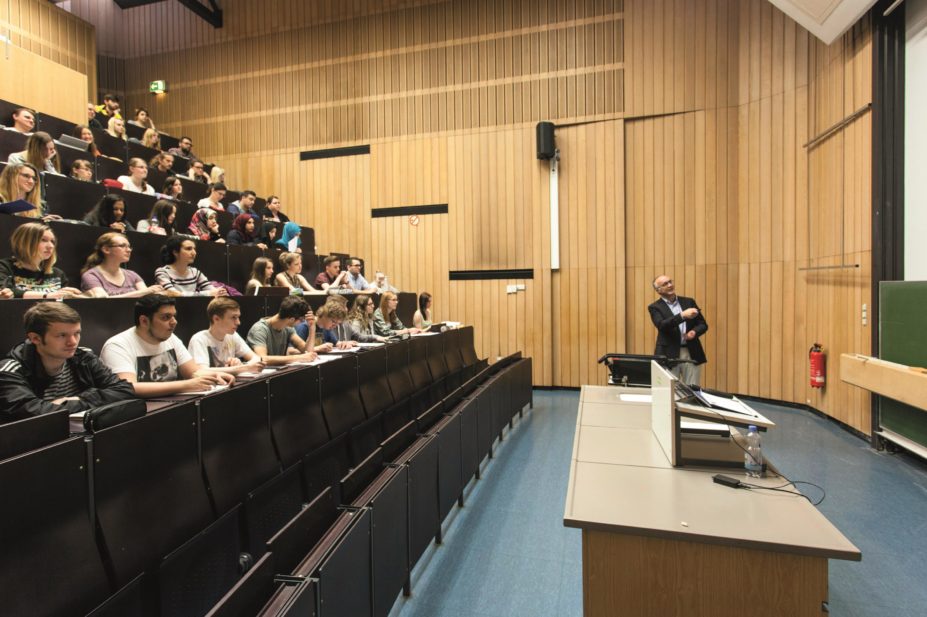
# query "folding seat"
(296, 420)
(70, 198)
(453, 359)
(32, 433)
(249, 595)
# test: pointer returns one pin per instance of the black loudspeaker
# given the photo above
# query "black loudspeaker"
(545, 140)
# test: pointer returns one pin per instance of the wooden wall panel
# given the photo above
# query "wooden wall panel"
(48, 31)
(61, 93)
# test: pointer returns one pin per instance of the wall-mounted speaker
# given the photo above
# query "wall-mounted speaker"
(545, 140)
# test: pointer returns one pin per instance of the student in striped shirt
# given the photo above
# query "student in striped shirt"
(49, 373)
(178, 274)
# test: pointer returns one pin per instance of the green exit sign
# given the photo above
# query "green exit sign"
(157, 87)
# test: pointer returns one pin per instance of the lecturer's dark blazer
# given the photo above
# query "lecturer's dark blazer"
(667, 326)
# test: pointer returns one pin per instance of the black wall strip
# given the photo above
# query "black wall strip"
(310, 155)
(378, 213)
(489, 275)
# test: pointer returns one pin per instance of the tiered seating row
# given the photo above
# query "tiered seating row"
(327, 474)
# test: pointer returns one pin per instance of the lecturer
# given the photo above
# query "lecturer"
(679, 324)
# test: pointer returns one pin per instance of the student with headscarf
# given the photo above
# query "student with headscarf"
(242, 233)
(204, 226)
(291, 232)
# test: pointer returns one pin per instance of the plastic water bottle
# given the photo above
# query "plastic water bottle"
(753, 457)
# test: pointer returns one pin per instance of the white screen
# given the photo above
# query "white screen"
(915, 147)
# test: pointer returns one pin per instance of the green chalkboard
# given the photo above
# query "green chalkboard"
(903, 339)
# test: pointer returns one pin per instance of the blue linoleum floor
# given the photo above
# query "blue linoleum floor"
(497, 562)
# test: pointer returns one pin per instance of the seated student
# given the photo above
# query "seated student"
(21, 182)
(173, 188)
(272, 211)
(216, 175)
(290, 240)
(40, 153)
(22, 121)
(150, 139)
(162, 162)
(292, 264)
(385, 320)
(109, 109)
(31, 271)
(110, 212)
(221, 347)
(214, 199)
(271, 336)
(185, 150)
(49, 372)
(161, 219)
(196, 171)
(242, 233)
(135, 181)
(261, 274)
(245, 205)
(331, 278)
(178, 273)
(92, 121)
(152, 358)
(142, 119)
(205, 226)
(322, 337)
(116, 128)
(82, 170)
(356, 280)
(422, 317)
(360, 321)
(268, 233)
(103, 275)
(381, 283)
(83, 132)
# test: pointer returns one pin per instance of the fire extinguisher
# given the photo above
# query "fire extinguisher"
(816, 359)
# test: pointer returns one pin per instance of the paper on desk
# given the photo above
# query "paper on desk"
(348, 350)
(728, 404)
(212, 389)
(636, 398)
(425, 334)
(371, 344)
(265, 371)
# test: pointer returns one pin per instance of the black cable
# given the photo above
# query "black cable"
(789, 482)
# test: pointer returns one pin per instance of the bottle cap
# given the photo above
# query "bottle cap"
(752, 427)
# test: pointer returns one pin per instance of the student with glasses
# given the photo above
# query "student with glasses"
(197, 172)
(20, 182)
(103, 275)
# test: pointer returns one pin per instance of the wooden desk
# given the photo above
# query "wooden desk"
(663, 541)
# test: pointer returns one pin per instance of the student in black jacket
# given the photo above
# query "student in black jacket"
(49, 372)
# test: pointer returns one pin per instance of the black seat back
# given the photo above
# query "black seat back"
(341, 402)
(373, 380)
(295, 413)
(31, 433)
(397, 362)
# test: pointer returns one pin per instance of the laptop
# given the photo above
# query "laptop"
(74, 142)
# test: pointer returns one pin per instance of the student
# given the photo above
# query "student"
(381, 282)
(48, 372)
(360, 320)
(161, 219)
(245, 205)
(356, 280)
(103, 275)
(40, 153)
(271, 336)
(292, 264)
(178, 273)
(21, 181)
(31, 271)
(142, 119)
(151, 139)
(196, 171)
(205, 226)
(135, 181)
(242, 233)
(216, 175)
(110, 212)
(173, 188)
(116, 128)
(262, 271)
(162, 162)
(385, 320)
(268, 233)
(82, 170)
(23, 121)
(272, 210)
(332, 279)
(290, 240)
(186, 150)
(109, 109)
(327, 318)
(221, 347)
(83, 132)
(214, 199)
(152, 358)
(92, 121)
(422, 317)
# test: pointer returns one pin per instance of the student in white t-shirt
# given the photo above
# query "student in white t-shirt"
(221, 347)
(152, 358)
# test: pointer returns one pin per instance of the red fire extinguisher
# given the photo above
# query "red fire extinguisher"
(817, 360)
